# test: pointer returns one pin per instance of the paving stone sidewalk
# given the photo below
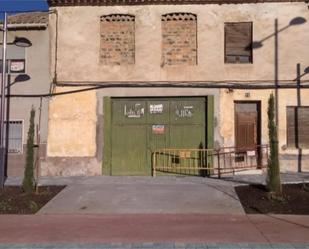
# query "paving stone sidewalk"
(151, 245)
(159, 228)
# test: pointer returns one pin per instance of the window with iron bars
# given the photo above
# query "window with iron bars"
(15, 139)
(298, 126)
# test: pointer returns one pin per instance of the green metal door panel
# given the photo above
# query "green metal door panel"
(158, 138)
(210, 122)
(140, 126)
(129, 111)
(187, 111)
(187, 136)
(210, 130)
(107, 131)
(158, 111)
(129, 149)
(158, 126)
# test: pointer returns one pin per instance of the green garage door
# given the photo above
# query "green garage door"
(139, 126)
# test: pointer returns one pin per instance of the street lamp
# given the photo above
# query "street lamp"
(18, 78)
(294, 22)
(21, 42)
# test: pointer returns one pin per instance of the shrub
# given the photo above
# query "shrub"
(28, 181)
(273, 169)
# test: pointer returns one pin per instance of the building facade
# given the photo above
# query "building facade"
(28, 70)
(130, 78)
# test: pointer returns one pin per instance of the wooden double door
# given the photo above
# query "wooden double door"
(247, 124)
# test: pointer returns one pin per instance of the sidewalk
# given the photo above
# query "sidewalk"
(143, 195)
(158, 213)
(154, 228)
(146, 195)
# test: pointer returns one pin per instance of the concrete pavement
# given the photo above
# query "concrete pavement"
(146, 195)
(168, 194)
(242, 177)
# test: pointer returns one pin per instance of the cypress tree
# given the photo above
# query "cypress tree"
(273, 169)
(28, 181)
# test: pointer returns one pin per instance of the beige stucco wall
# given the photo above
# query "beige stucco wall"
(79, 41)
(73, 118)
(286, 97)
(72, 124)
(37, 68)
(227, 98)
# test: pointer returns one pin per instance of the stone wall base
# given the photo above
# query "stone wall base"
(90, 166)
(291, 163)
(17, 161)
(71, 166)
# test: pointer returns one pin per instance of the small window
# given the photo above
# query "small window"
(298, 126)
(15, 136)
(238, 42)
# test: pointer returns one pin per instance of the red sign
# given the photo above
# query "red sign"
(158, 129)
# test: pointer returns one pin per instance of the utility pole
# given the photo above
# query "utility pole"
(297, 144)
(2, 104)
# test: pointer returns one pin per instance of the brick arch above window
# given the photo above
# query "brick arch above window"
(179, 39)
(117, 18)
(117, 39)
(179, 16)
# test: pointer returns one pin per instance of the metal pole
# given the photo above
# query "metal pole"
(276, 74)
(300, 152)
(219, 166)
(6, 124)
(2, 104)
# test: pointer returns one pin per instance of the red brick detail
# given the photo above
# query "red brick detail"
(117, 39)
(179, 39)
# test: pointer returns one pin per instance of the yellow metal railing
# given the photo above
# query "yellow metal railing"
(205, 162)
(182, 161)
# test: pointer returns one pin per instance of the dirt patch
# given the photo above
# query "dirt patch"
(14, 201)
(255, 199)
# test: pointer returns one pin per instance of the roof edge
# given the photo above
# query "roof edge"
(28, 26)
(55, 3)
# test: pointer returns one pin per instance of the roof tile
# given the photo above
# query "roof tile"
(29, 18)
